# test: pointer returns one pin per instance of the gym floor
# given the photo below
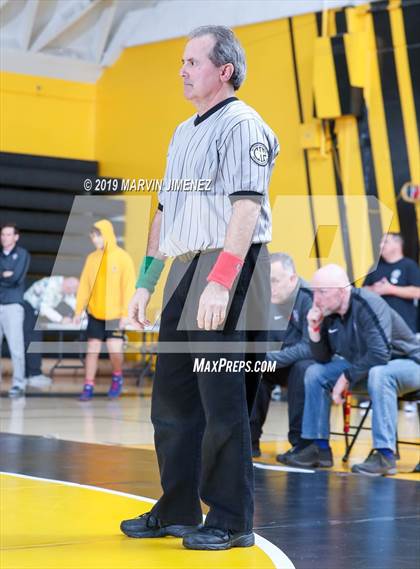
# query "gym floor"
(72, 471)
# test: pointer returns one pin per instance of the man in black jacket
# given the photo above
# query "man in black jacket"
(289, 342)
(350, 332)
(352, 335)
(14, 263)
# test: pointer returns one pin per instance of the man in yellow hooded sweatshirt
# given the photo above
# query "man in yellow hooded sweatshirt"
(106, 285)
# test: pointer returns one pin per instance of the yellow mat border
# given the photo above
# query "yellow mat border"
(276, 555)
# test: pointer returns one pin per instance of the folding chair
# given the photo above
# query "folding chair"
(351, 438)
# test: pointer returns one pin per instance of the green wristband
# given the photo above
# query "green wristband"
(149, 273)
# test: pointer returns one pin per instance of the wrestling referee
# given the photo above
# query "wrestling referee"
(216, 301)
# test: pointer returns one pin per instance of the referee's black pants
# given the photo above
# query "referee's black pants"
(292, 377)
(201, 419)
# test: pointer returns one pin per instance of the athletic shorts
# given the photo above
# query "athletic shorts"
(103, 329)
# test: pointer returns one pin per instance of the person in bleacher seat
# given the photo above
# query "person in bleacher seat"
(53, 299)
(351, 332)
(288, 338)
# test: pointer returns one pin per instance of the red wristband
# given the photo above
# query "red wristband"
(226, 269)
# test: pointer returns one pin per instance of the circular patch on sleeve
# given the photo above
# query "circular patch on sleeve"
(259, 153)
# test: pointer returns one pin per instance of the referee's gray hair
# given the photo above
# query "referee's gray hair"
(286, 261)
(227, 49)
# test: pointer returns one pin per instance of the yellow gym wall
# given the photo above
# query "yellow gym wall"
(126, 120)
(137, 109)
(140, 102)
(47, 117)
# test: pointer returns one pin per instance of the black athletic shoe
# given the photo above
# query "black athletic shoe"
(215, 539)
(376, 464)
(283, 457)
(325, 458)
(311, 456)
(147, 525)
(256, 451)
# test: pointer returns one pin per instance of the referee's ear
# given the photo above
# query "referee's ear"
(226, 72)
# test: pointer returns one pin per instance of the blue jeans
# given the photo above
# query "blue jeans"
(319, 381)
(385, 384)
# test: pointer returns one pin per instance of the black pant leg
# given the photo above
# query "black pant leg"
(223, 404)
(296, 399)
(177, 415)
(227, 482)
(262, 403)
(227, 475)
(178, 420)
(33, 361)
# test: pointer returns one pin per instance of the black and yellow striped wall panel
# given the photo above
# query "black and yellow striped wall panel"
(358, 72)
(341, 89)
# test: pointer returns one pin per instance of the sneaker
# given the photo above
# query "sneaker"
(377, 464)
(283, 457)
(15, 391)
(325, 458)
(116, 386)
(147, 525)
(87, 392)
(311, 455)
(216, 539)
(256, 451)
(276, 393)
(40, 380)
(410, 406)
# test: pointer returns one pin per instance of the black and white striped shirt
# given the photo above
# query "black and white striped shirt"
(212, 160)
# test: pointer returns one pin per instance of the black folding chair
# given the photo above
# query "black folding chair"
(351, 438)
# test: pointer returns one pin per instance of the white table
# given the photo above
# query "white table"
(146, 361)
